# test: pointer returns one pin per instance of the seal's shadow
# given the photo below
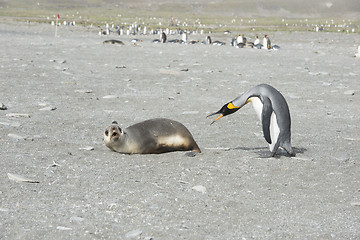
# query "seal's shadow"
(264, 152)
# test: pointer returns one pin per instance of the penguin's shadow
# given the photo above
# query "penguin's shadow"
(264, 152)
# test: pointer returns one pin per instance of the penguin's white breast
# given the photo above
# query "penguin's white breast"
(257, 105)
(274, 128)
(274, 131)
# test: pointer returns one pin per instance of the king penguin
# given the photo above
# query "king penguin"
(163, 37)
(273, 112)
(266, 42)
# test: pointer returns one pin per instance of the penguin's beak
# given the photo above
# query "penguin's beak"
(221, 115)
(227, 109)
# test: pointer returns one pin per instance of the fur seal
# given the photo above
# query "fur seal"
(112, 41)
(158, 135)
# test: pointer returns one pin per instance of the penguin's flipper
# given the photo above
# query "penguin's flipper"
(265, 118)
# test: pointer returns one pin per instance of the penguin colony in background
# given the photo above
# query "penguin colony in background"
(239, 41)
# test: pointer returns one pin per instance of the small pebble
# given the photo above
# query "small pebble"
(218, 148)
(343, 159)
(110, 96)
(63, 228)
(3, 107)
(190, 154)
(190, 112)
(9, 124)
(19, 178)
(200, 188)
(133, 234)
(87, 148)
(84, 91)
(48, 108)
(349, 92)
(18, 115)
(43, 104)
(76, 219)
(16, 137)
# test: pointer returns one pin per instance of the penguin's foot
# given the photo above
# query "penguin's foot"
(292, 154)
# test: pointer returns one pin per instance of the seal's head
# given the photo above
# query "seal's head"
(113, 135)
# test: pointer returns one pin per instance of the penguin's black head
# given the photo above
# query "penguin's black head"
(227, 109)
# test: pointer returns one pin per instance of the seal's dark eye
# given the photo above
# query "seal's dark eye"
(106, 132)
(120, 129)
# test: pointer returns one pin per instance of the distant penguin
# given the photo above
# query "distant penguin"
(184, 37)
(244, 40)
(257, 40)
(233, 42)
(273, 112)
(208, 40)
(266, 42)
(239, 39)
(104, 32)
(163, 38)
(358, 52)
